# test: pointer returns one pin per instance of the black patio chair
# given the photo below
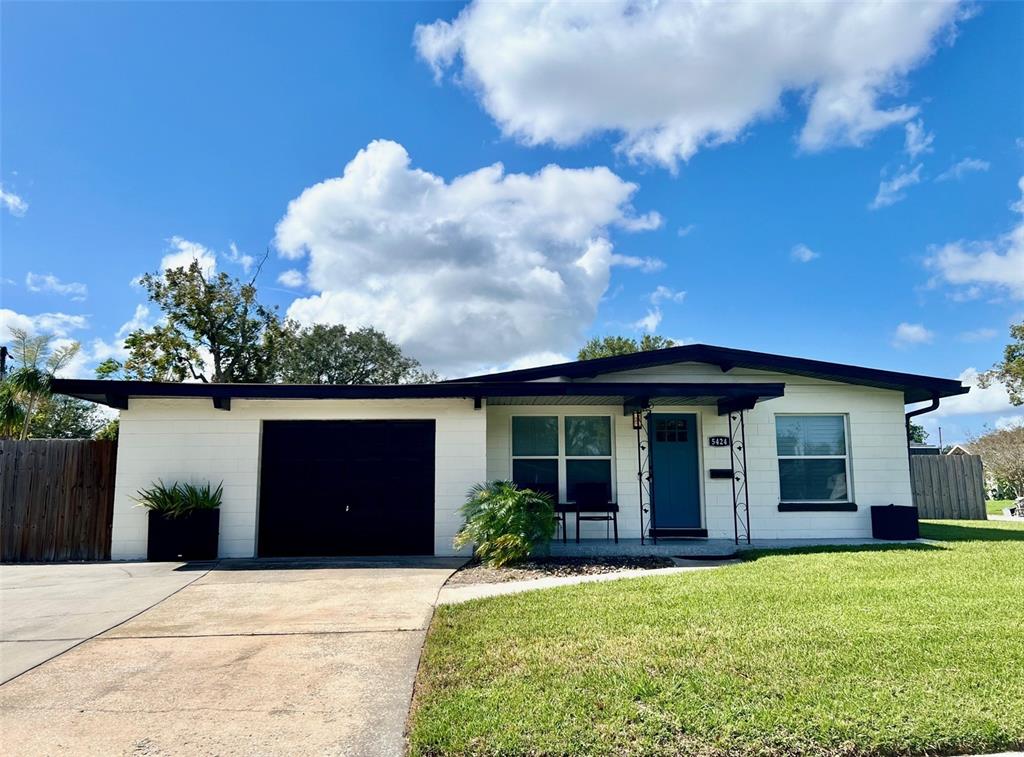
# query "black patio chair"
(593, 499)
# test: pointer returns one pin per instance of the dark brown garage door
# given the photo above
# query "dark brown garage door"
(347, 488)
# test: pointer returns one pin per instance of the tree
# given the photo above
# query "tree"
(322, 354)
(917, 434)
(1002, 452)
(611, 346)
(26, 389)
(12, 414)
(62, 417)
(110, 431)
(109, 369)
(212, 330)
(1010, 371)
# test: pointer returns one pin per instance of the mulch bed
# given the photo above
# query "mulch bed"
(476, 573)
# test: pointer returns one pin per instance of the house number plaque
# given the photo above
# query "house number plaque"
(718, 441)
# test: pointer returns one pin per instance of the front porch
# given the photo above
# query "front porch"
(595, 445)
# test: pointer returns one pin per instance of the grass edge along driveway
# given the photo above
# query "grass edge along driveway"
(892, 649)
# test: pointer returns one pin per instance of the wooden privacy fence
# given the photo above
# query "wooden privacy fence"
(948, 486)
(56, 499)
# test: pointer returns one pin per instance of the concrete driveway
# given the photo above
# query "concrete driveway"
(47, 609)
(249, 658)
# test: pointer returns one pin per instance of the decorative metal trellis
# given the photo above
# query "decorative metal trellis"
(740, 492)
(644, 472)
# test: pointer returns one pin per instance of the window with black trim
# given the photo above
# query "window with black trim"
(557, 453)
(535, 459)
(814, 458)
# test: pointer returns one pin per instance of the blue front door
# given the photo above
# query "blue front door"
(673, 439)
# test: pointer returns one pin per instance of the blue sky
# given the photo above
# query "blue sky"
(135, 131)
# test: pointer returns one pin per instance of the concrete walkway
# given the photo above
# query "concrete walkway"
(264, 659)
(451, 595)
(47, 609)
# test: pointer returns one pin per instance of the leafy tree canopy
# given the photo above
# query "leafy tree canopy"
(610, 346)
(1002, 453)
(25, 398)
(917, 434)
(62, 417)
(1010, 370)
(322, 354)
(212, 330)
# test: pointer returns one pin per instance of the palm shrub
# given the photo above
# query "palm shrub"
(179, 499)
(506, 523)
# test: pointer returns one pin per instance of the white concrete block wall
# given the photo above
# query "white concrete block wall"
(183, 439)
(189, 440)
(878, 452)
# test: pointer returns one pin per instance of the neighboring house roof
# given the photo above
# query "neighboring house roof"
(915, 388)
(958, 449)
(728, 396)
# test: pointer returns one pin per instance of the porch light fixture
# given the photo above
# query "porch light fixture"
(638, 420)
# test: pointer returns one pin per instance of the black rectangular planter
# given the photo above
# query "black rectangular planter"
(191, 537)
(894, 522)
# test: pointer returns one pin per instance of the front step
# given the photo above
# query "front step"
(679, 533)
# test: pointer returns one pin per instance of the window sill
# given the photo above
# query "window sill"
(817, 507)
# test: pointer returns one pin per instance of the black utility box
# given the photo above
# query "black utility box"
(190, 537)
(894, 522)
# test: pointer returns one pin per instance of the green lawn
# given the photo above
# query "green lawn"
(995, 506)
(881, 650)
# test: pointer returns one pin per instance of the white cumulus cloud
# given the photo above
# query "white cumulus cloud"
(992, 399)
(647, 265)
(182, 252)
(665, 294)
(908, 334)
(482, 269)
(892, 191)
(801, 253)
(47, 282)
(649, 322)
(978, 335)
(917, 140)
(14, 204)
(140, 320)
(987, 265)
(1008, 422)
(672, 78)
(234, 255)
(291, 278)
(961, 168)
(56, 324)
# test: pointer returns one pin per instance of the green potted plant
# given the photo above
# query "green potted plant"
(184, 520)
(505, 523)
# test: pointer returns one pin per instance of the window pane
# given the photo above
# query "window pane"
(814, 480)
(587, 472)
(539, 475)
(810, 434)
(535, 435)
(588, 435)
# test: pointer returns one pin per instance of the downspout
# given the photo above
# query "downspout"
(920, 411)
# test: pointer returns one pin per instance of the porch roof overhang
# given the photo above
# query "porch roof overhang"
(727, 397)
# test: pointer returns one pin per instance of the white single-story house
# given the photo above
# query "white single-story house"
(689, 442)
